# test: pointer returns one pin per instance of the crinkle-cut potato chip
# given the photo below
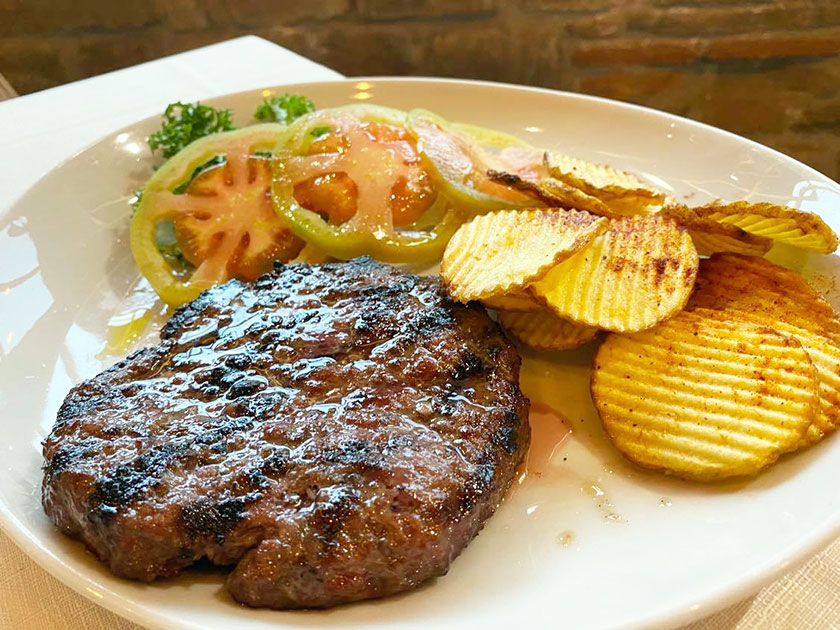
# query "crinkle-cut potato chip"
(541, 330)
(519, 302)
(604, 182)
(711, 236)
(704, 397)
(759, 288)
(633, 276)
(780, 223)
(708, 243)
(501, 252)
(769, 295)
(554, 193)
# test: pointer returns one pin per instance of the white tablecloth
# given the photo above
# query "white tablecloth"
(43, 129)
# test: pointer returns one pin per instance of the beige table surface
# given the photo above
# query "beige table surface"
(31, 599)
(6, 89)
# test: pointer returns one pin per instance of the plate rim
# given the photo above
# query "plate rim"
(713, 600)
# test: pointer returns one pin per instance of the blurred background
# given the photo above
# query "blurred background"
(766, 69)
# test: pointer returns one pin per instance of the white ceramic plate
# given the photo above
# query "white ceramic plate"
(584, 540)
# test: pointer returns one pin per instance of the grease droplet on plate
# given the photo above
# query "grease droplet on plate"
(602, 501)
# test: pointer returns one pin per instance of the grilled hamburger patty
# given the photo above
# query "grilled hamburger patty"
(336, 432)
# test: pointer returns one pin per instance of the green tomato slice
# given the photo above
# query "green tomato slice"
(459, 155)
(374, 166)
(224, 222)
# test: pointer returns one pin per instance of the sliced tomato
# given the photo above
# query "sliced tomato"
(335, 195)
(229, 227)
(332, 195)
(459, 156)
(354, 184)
(224, 222)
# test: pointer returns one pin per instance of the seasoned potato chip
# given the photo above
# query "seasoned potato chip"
(710, 242)
(712, 236)
(638, 273)
(780, 223)
(759, 288)
(704, 397)
(769, 295)
(501, 252)
(554, 193)
(520, 302)
(623, 192)
(543, 331)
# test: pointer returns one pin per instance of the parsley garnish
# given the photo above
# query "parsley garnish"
(283, 108)
(185, 122)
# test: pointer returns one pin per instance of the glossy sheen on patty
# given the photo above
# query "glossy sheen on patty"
(335, 432)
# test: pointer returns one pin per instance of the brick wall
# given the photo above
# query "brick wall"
(766, 69)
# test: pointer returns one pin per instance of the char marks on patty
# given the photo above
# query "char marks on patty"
(336, 432)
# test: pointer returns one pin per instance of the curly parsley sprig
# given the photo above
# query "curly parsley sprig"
(185, 122)
(283, 108)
